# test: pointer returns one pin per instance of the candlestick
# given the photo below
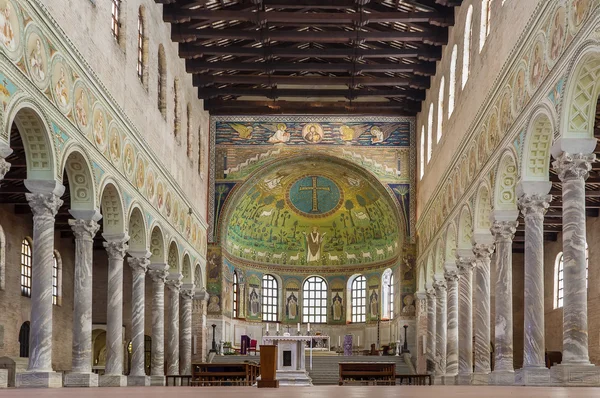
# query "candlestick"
(277, 326)
(339, 341)
(267, 327)
(298, 326)
(308, 327)
(358, 341)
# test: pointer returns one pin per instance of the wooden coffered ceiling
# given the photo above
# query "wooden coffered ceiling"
(311, 56)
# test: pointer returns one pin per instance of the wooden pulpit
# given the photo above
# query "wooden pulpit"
(268, 367)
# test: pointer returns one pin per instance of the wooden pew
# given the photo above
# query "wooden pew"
(224, 374)
(367, 373)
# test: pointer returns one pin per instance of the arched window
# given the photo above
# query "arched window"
(142, 52)
(56, 278)
(422, 154)
(236, 295)
(387, 294)
(430, 133)
(314, 300)
(559, 277)
(25, 268)
(270, 298)
(115, 24)
(486, 12)
(440, 113)
(162, 81)
(190, 138)
(467, 46)
(452, 81)
(358, 293)
(24, 340)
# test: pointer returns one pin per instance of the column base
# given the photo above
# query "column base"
(157, 381)
(39, 380)
(575, 375)
(533, 377)
(3, 378)
(464, 379)
(502, 378)
(140, 381)
(480, 379)
(81, 380)
(450, 380)
(113, 381)
(438, 380)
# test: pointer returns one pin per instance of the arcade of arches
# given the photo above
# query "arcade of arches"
(414, 177)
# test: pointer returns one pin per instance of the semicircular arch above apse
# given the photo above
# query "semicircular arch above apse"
(313, 210)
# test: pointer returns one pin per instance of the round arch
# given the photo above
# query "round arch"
(173, 258)
(483, 210)
(535, 164)
(81, 182)
(581, 95)
(35, 132)
(138, 241)
(186, 269)
(111, 205)
(157, 246)
(505, 197)
(465, 229)
(450, 252)
(199, 276)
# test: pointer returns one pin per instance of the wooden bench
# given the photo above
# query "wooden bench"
(367, 373)
(414, 380)
(224, 374)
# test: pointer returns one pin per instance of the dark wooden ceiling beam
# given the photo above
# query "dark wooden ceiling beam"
(196, 66)
(274, 93)
(178, 15)
(182, 34)
(269, 80)
(218, 107)
(191, 50)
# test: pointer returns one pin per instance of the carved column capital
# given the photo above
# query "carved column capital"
(440, 286)
(84, 229)
(483, 250)
(451, 276)
(573, 166)
(139, 265)
(187, 294)
(464, 264)
(116, 249)
(158, 275)
(174, 284)
(202, 295)
(44, 205)
(431, 293)
(534, 205)
(504, 230)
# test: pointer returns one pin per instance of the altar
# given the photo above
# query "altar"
(291, 359)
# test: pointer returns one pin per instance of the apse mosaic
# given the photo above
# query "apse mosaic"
(313, 212)
(243, 146)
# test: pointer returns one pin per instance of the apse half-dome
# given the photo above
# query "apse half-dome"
(312, 211)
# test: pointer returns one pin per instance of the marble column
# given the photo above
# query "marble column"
(431, 329)
(451, 276)
(173, 286)
(573, 170)
(534, 371)
(185, 336)
(158, 273)
(5, 151)
(483, 253)
(440, 329)
(116, 248)
(503, 374)
(421, 315)
(39, 370)
(81, 371)
(465, 321)
(138, 262)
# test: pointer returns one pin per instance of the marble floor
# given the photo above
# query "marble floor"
(309, 392)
